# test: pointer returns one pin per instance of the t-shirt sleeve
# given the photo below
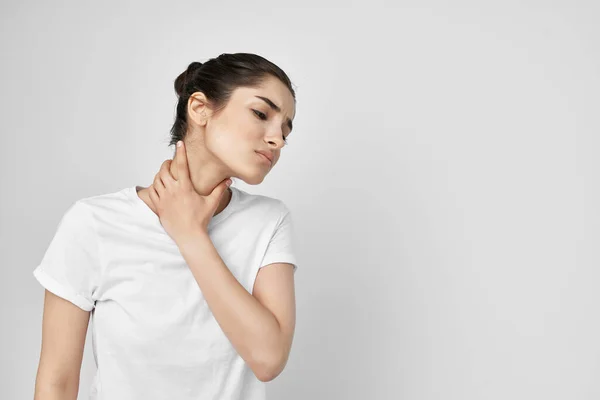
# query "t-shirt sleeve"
(70, 267)
(281, 245)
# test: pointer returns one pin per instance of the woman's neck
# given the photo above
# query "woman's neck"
(144, 194)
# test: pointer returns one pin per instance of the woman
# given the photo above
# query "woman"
(175, 275)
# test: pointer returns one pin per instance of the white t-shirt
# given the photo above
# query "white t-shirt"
(153, 334)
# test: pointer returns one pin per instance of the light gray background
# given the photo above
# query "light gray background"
(442, 172)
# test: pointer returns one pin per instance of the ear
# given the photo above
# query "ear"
(198, 108)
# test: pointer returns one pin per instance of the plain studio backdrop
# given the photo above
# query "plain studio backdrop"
(442, 174)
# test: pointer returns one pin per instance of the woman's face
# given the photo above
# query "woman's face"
(249, 125)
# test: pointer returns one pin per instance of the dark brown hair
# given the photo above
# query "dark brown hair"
(217, 78)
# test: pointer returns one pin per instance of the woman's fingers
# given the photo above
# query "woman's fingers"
(165, 173)
(158, 184)
(153, 195)
(183, 173)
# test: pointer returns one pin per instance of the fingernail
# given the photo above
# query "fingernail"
(179, 143)
(228, 182)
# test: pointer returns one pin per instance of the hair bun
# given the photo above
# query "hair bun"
(195, 65)
(183, 78)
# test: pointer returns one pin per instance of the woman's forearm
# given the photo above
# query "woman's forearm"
(251, 328)
(50, 391)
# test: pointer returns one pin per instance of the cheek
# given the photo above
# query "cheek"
(232, 148)
(234, 140)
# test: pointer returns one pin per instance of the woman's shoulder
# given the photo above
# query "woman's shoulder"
(108, 202)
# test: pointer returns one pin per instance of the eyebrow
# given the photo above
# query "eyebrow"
(276, 108)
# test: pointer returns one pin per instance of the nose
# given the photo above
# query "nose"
(276, 140)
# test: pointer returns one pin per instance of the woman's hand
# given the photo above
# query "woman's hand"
(181, 210)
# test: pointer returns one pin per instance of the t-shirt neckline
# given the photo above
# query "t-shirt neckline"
(141, 205)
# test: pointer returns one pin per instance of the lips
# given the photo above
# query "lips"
(267, 154)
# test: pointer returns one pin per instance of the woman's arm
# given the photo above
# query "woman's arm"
(260, 327)
(64, 327)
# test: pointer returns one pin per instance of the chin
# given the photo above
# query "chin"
(251, 172)
(252, 177)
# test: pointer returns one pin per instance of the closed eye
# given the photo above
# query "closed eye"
(260, 115)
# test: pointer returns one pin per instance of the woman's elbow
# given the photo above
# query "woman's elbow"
(268, 370)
